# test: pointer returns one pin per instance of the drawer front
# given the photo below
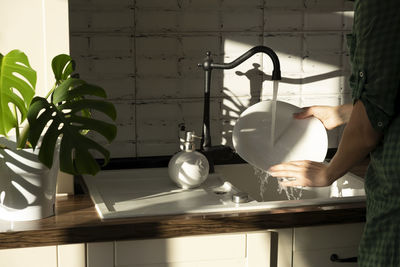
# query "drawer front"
(100, 254)
(29, 257)
(313, 246)
(227, 247)
(325, 237)
(321, 258)
(222, 263)
(71, 255)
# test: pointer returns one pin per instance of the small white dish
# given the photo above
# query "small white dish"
(295, 139)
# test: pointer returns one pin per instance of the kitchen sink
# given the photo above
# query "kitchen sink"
(146, 192)
(267, 191)
(149, 192)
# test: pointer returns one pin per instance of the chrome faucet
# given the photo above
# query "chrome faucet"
(208, 65)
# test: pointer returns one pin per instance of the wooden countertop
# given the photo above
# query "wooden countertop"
(76, 221)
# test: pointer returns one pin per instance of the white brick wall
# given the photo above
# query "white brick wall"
(145, 54)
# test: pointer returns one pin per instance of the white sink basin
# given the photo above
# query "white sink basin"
(149, 192)
(146, 192)
(349, 188)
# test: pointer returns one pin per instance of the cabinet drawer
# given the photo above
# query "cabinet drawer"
(325, 237)
(321, 257)
(222, 263)
(100, 254)
(71, 255)
(32, 257)
(182, 249)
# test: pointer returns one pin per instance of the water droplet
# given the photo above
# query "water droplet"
(292, 193)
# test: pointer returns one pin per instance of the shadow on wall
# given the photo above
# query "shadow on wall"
(256, 84)
(146, 52)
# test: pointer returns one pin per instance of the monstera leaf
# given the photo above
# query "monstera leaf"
(17, 88)
(64, 118)
(64, 115)
(62, 66)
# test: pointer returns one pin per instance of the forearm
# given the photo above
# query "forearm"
(358, 140)
(344, 112)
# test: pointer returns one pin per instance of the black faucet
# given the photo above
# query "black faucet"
(225, 152)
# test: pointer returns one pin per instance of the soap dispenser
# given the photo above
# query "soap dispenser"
(188, 168)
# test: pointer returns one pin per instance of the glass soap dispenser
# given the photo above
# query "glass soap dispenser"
(188, 168)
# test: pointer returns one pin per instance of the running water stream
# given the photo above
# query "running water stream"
(273, 113)
(292, 193)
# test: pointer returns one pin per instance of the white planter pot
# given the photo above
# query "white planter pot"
(27, 187)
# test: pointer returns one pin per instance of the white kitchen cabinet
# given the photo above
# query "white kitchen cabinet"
(233, 250)
(179, 250)
(285, 247)
(261, 249)
(29, 257)
(72, 255)
(100, 254)
(313, 246)
(291, 247)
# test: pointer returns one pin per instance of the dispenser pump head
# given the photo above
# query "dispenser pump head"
(187, 139)
(189, 145)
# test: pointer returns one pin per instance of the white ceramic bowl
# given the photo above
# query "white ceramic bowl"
(295, 139)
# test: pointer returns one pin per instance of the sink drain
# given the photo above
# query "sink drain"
(240, 197)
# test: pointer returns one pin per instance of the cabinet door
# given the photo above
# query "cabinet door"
(285, 247)
(71, 255)
(100, 254)
(321, 257)
(313, 246)
(262, 249)
(29, 257)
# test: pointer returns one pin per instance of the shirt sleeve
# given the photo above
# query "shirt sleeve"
(375, 56)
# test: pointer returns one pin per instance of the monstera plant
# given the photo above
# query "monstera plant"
(63, 116)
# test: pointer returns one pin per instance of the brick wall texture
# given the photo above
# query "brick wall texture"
(144, 53)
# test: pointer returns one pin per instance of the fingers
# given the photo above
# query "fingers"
(295, 169)
(293, 183)
(305, 172)
(307, 112)
(290, 166)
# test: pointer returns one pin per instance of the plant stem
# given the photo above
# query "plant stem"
(24, 137)
(17, 126)
(51, 91)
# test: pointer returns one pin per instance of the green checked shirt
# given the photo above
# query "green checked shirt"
(375, 56)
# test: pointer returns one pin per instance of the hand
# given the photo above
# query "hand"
(331, 117)
(305, 172)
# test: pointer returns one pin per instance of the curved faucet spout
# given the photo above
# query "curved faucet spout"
(208, 65)
(276, 73)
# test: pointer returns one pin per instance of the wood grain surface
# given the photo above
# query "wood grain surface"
(76, 221)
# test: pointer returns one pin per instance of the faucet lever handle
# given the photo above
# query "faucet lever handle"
(190, 136)
(207, 63)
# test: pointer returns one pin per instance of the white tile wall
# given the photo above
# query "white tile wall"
(145, 54)
(251, 19)
(156, 20)
(283, 20)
